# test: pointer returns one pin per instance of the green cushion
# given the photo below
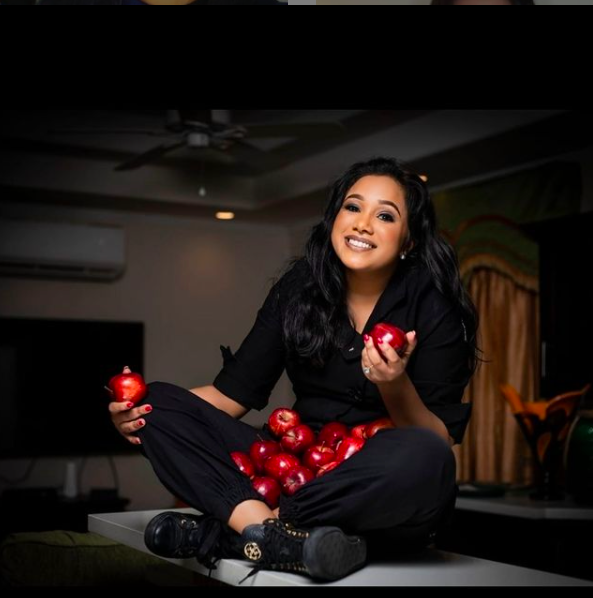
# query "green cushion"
(70, 558)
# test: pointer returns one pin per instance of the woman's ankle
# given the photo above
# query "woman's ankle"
(249, 512)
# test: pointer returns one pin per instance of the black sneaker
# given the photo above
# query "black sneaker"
(183, 535)
(324, 553)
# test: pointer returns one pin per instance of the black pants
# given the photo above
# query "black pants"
(395, 492)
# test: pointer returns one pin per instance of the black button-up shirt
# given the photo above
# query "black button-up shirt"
(340, 391)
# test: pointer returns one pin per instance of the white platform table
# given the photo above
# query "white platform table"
(431, 568)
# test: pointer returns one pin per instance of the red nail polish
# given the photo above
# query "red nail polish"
(129, 405)
(148, 409)
(140, 423)
(366, 338)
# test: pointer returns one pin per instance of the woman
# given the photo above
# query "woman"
(375, 257)
(485, 2)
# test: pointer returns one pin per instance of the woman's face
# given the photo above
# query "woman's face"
(383, 225)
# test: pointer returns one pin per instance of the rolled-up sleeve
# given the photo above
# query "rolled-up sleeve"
(249, 375)
(440, 372)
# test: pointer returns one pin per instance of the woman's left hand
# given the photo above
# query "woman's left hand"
(390, 366)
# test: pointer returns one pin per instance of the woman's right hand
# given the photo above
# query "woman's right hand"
(126, 418)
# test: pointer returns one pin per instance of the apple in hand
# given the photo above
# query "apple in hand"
(262, 450)
(390, 334)
(269, 489)
(282, 419)
(378, 424)
(296, 478)
(325, 468)
(279, 465)
(332, 433)
(128, 387)
(317, 456)
(298, 439)
(243, 462)
(348, 447)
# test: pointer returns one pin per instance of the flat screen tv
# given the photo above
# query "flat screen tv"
(52, 377)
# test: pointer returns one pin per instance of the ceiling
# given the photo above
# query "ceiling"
(279, 180)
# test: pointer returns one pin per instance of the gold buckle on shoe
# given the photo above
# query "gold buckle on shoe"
(252, 551)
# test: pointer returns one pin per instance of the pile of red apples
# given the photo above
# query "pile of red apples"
(297, 456)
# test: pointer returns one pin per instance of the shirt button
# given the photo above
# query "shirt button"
(355, 394)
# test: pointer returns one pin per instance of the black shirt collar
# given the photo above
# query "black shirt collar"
(395, 292)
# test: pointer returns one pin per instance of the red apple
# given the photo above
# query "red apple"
(282, 420)
(269, 489)
(389, 334)
(279, 465)
(296, 478)
(262, 450)
(348, 447)
(331, 434)
(325, 468)
(128, 387)
(317, 456)
(298, 439)
(243, 462)
(359, 431)
(378, 424)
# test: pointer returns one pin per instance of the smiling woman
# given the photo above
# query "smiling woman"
(375, 257)
(380, 220)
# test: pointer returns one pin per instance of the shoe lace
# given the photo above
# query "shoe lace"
(282, 548)
(206, 539)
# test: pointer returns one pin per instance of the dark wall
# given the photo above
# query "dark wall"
(566, 301)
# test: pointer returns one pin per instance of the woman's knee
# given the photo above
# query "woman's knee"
(430, 442)
(173, 408)
(157, 393)
(432, 450)
(421, 452)
(165, 394)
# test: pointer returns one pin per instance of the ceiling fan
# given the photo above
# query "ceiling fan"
(210, 130)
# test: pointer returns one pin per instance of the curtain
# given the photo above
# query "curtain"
(494, 449)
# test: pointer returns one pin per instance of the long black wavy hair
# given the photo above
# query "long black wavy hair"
(316, 310)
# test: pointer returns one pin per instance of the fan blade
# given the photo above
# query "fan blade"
(150, 155)
(310, 130)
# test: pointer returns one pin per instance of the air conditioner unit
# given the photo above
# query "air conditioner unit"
(60, 250)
